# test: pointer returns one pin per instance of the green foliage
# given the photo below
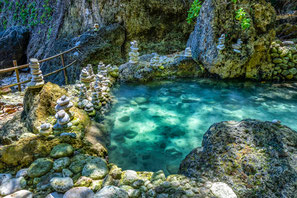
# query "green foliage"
(241, 16)
(25, 13)
(194, 11)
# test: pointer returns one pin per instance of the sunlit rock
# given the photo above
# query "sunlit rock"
(64, 103)
(45, 129)
(63, 120)
(37, 77)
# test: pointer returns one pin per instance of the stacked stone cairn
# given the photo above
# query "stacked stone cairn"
(64, 103)
(89, 108)
(85, 78)
(134, 54)
(155, 61)
(222, 40)
(96, 94)
(237, 46)
(82, 97)
(89, 68)
(45, 129)
(63, 120)
(284, 60)
(37, 77)
(188, 52)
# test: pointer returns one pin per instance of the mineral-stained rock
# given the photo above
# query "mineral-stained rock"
(95, 168)
(12, 185)
(40, 167)
(62, 150)
(217, 18)
(61, 184)
(254, 158)
(111, 192)
(21, 194)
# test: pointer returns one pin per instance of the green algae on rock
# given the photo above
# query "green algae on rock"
(40, 167)
(62, 150)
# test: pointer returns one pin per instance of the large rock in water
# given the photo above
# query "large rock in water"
(218, 17)
(257, 159)
(13, 45)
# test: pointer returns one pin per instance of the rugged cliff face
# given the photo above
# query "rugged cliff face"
(159, 26)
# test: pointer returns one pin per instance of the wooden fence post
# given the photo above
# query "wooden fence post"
(63, 64)
(15, 64)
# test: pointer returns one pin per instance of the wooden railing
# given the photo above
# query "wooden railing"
(16, 68)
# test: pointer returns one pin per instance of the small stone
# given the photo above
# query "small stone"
(61, 163)
(129, 177)
(40, 167)
(79, 192)
(96, 185)
(83, 181)
(21, 194)
(61, 184)
(67, 173)
(54, 195)
(222, 190)
(111, 192)
(95, 168)
(22, 173)
(12, 185)
(62, 150)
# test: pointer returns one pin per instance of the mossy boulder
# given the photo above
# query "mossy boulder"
(255, 158)
(40, 167)
(62, 150)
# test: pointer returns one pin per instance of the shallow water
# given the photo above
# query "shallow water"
(154, 126)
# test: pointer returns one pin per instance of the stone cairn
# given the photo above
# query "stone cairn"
(64, 103)
(155, 61)
(96, 93)
(134, 54)
(82, 97)
(89, 68)
(222, 40)
(37, 77)
(45, 129)
(63, 120)
(188, 52)
(237, 46)
(96, 27)
(85, 78)
(89, 108)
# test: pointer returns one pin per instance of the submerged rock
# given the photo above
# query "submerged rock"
(253, 157)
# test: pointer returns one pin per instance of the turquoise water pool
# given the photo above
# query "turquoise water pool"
(154, 126)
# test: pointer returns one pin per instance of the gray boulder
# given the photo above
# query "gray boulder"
(79, 192)
(111, 192)
(256, 159)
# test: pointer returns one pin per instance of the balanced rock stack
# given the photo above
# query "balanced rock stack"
(82, 97)
(37, 77)
(284, 60)
(222, 40)
(85, 78)
(45, 129)
(101, 66)
(64, 103)
(89, 108)
(155, 61)
(89, 68)
(134, 54)
(95, 100)
(188, 52)
(63, 120)
(237, 46)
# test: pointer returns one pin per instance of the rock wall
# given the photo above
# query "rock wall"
(217, 17)
(158, 26)
(257, 159)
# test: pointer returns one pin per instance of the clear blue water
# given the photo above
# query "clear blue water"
(154, 126)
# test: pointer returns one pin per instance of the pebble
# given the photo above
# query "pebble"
(79, 192)
(61, 184)
(111, 192)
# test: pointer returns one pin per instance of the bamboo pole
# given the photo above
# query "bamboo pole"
(64, 70)
(15, 64)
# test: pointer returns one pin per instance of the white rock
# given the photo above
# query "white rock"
(111, 192)
(22, 173)
(79, 192)
(12, 185)
(54, 195)
(4, 177)
(222, 190)
(20, 194)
